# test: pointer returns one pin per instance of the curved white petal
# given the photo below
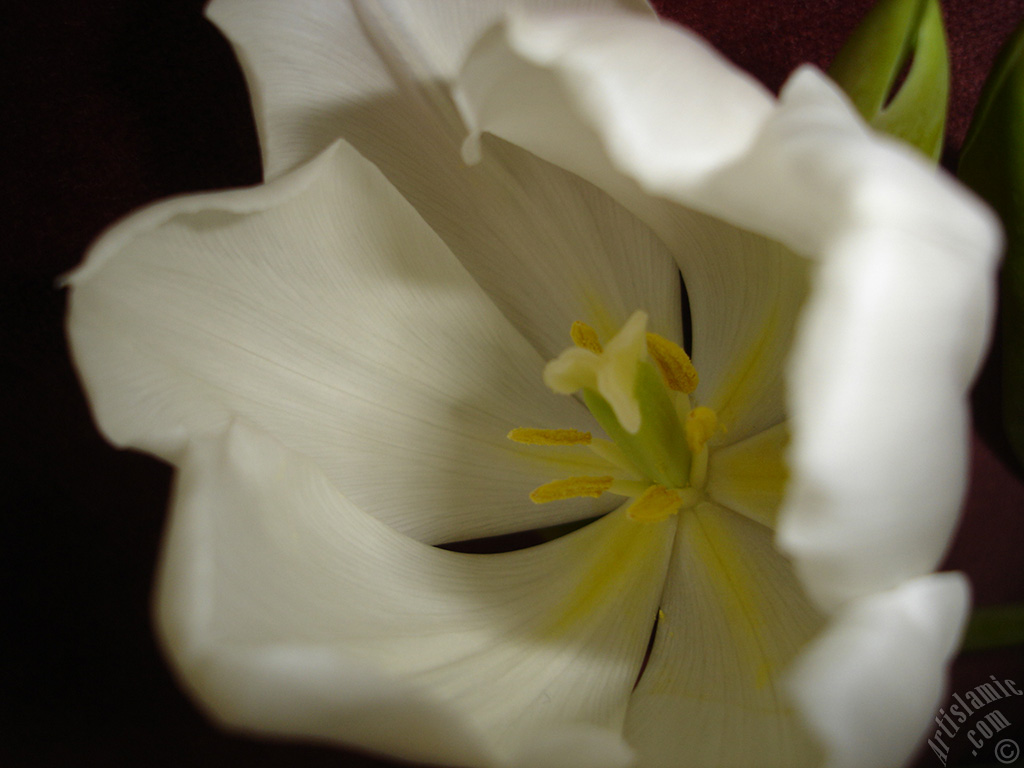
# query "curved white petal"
(903, 260)
(745, 293)
(733, 618)
(871, 685)
(613, 98)
(898, 319)
(585, 68)
(321, 307)
(750, 476)
(888, 346)
(317, 71)
(549, 248)
(286, 609)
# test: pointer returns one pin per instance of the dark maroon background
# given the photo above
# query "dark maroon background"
(115, 103)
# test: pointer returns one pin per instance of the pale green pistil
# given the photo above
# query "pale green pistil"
(658, 448)
(637, 387)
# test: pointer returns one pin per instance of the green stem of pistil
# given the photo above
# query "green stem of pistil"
(658, 449)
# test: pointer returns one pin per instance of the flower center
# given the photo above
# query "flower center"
(638, 387)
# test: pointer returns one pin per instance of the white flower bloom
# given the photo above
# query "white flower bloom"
(332, 361)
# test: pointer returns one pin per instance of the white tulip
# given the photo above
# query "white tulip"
(332, 361)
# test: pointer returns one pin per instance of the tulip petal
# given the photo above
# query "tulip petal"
(353, 53)
(898, 319)
(890, 341)
(589, 94)
(750, 477)
(286, 609)
(871, 685)
(548, 247)
(903, 260)
(733, 618)
(323, 309)
(879, 418)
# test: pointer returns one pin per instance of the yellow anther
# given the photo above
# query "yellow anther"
(701, 424)
(659, 503)
(585, 337)
(531, 436)
(570, 488)
(676, 368)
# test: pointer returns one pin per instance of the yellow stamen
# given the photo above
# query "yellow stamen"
(701, 424)
(570, 488)
(531, 436)
(699, 469)
(659, 503)
(585, 337)
(676, 368)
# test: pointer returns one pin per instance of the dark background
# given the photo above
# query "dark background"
(111, 104)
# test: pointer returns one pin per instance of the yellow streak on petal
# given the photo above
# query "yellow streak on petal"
(750, 477)
(658, 503)
(571, 488)
(701, 424)
(621, 565)
(531, 436)
(676, 368)
(585, 337)
(726, 556)
(739, 391)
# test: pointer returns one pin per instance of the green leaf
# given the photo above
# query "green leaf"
(992, 163)
(873, 58)
(995, 626)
